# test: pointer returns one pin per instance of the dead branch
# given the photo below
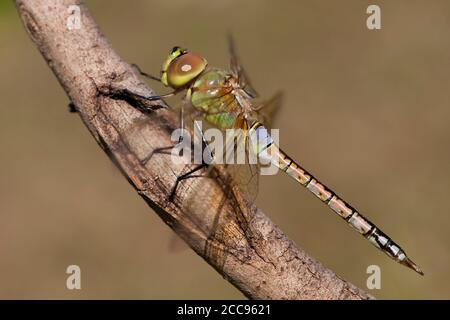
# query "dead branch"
(258, 258)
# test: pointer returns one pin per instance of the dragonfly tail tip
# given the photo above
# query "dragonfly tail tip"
(410, 264)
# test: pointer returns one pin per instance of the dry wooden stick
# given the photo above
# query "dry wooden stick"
(240, 242)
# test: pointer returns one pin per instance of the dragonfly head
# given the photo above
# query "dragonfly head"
(181, 67)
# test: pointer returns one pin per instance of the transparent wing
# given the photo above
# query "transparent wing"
(224, 103)
(238, 71)
(268, 110)
(241, 162)
(235, 155)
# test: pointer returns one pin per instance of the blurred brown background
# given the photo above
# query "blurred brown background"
(365, 111)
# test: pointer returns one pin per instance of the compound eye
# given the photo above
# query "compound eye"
(184, 69)
(177, 51)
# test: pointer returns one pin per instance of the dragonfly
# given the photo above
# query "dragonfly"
(227, 100)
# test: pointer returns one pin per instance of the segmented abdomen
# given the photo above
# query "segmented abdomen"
(267, 149)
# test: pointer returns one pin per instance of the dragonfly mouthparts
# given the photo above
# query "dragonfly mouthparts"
(410, 264)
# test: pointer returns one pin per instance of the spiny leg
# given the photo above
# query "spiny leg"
(142, 73)
(182, 128)
(149, 98)
(164, 150)
(161, 150)
(137, 100)
(204, 164)
(134, 95)
(184, 176)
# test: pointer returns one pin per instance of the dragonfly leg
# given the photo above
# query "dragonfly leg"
(142, 73)
(180, 139)
(206, 163)
(184, 176)
(162, 150)
(149, 98)
(136, 99)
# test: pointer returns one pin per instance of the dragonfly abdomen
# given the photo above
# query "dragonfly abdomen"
(267, 149)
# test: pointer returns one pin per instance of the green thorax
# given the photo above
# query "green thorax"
(210, 93)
